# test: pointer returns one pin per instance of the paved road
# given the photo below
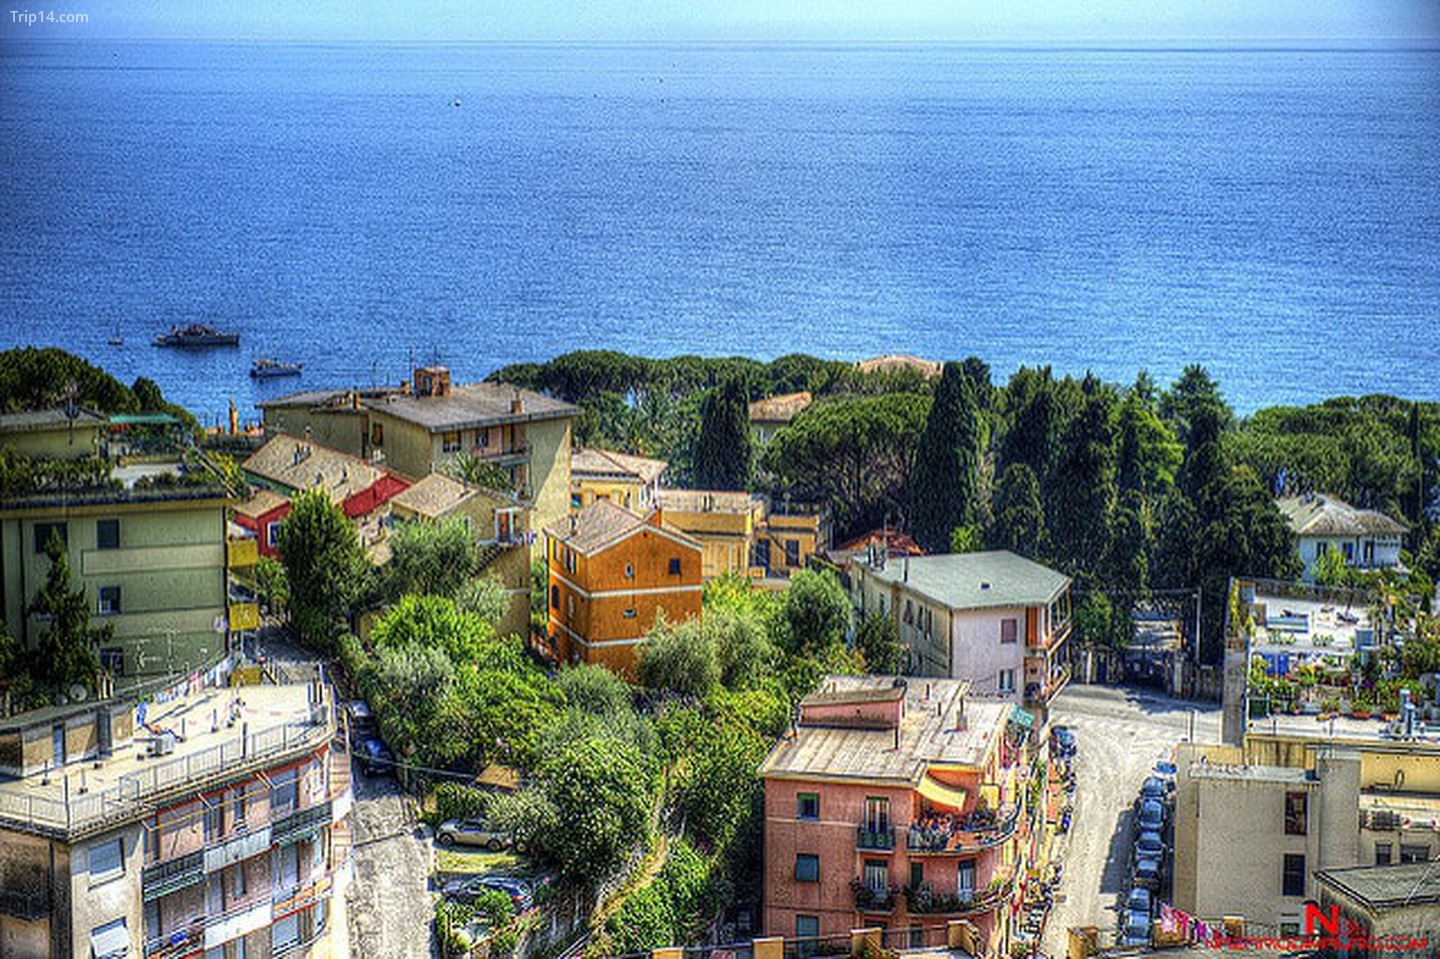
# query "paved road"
(1121, 733)
(390, 905)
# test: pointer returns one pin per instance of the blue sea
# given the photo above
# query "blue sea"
(1271, 213)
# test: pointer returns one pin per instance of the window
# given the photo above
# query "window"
(917, 874)
(377, 434)
(450, 442)
(1007, 681)
(237, 807)
(1383, 851)
(272, 534)
(807, 868)
(792, 552)
(107, 534)
(1289, 928)
(909, 612)
(284, 793)
(877, 875)
(1414, 853)
(107, 861)
(285, 933)
(110, 941)
(807, 927)
(630, 613)
(575, 502)
(807, 806)
(43, 532)
(1292, 882)
(570, 605)
(237, 880)
(629, 571)
(1009, 629)
(554, 597)
(109, 603)
(1295, 807)
(213, 827)
(674, 566)
(965, 880)
(112, 660)
(877, 813)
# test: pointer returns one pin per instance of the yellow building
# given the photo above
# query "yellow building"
(622, 479)
(725, 524)
(502, 530)
(1254, 823)
(772, 414)
(418, 431)
(789, 535)
(53, 433)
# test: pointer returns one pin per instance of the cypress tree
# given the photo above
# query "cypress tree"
(947, 461)
(724, 453)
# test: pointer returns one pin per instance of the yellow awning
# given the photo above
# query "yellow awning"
(938, 792)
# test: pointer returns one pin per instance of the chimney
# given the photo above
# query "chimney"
(517, 403)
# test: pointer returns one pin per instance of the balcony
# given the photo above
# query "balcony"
(922, 900)
(882, 838)
(162, 878)
(515, 451)
(28, 905)
(872, 900)
(948, 835)
(301, 824)
(1058, 635)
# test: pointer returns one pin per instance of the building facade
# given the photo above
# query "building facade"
(1368, 539)
(901, 806)
(997, 619)
(1254, 823)
(611, 574)
(216, 825)
(628, 481)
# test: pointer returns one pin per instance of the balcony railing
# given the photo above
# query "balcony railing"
(954, 834)
(500, 452)
(192, 936)
(882, 837)
(924, 901)
(163, 878)
(302, 824)
(25, 904)
(871, 899)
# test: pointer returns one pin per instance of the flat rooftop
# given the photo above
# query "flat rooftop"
(271, 722)
(1311, 631)
(943, 725)
(1391, 886)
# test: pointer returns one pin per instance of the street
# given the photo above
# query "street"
(1121, 733)
(390, 905)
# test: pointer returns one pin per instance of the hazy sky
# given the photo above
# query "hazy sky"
(957, 20)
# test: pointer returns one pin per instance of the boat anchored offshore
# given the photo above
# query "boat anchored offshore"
(266, 368)
(197, 335)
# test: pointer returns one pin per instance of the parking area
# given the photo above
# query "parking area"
(1120, 733)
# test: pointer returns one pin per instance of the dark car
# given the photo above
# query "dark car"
(1147, 872)
(1151, 817)
(1149, 844)
(1139, 900)
(470, 888)
(375, 757)
(1154, 788)
(1063, 741)
(1166, 770)
(1136, 929)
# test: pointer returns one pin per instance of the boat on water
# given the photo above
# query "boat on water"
(197, 335)
(266, 368)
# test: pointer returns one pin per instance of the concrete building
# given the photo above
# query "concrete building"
(1368, 539)
(789, 535)
(1400, 903)
(996, 619)
(417, 431)
(724, 522)
(901, 806)
(1254, 823)
(611, 573)
(216, 824)
(501, 527)
(54, 433)
(772, 414)
(625, 480)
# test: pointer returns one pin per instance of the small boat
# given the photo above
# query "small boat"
(116, 340)
(266, 368)
(196, 336)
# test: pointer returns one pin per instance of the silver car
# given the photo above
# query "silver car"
(470, 832)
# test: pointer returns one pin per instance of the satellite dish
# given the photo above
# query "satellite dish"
(77, 693)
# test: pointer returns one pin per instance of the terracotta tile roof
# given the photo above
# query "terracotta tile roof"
(599, 523)
(261, 503)
(896, 542)
(298, 465)
(607, 464)
(1326, 515)
(780, 409)
(433, 496)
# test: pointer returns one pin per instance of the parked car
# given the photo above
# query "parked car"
(1135, 931)
(471, 832)
(375, 757)
(1149, 843)
(1063, 741)
(1165, 770)
(1147, 872)
(1139, 900)
(1155, 788)
(1151, 817)
(470, 888)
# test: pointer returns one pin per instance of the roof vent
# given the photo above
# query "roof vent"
(517, 403)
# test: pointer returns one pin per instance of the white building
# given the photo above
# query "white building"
(1368, 539)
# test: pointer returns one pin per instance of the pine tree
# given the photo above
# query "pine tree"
(1019, 524)
(65, 655)
(324, 565)
(946, 462)
(1081, 508)
(724, 452)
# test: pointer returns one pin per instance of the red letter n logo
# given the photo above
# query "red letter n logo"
(1316, 921)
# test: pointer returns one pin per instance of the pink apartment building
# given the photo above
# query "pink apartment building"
(897, 803)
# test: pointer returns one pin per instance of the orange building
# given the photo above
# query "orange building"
(611, 573)
(903, 804)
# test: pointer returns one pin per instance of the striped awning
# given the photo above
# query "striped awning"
(938, 792)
